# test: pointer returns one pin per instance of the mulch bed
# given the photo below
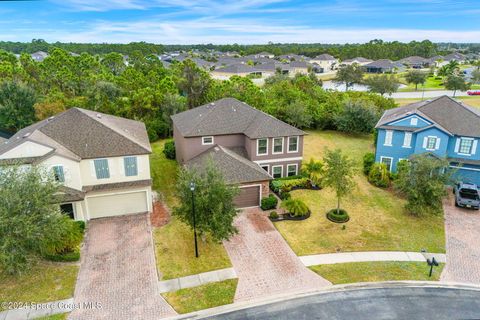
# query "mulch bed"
(160, 215)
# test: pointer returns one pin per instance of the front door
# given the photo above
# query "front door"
(67, 209)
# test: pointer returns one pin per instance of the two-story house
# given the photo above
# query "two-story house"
(248, 146)
(442, 126)
(101, 161)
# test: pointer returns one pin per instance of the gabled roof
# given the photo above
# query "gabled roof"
(414, 60)
(446, 113)
(235, 168)
(324, 56)
(237, 68)
(85, 134)
(231, 116)
(382, 63)
(359, 59)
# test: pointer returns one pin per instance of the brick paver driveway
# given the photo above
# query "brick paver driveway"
(264, 262)
(462, 227)
(118, 271)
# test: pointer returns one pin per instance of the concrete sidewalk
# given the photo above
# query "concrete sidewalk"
(346, 257)
(39, 310)
(196, 280)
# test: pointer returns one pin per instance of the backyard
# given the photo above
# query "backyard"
(377, 218)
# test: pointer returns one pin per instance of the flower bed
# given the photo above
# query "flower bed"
(281, 186)
(287, 216)
(340, 217)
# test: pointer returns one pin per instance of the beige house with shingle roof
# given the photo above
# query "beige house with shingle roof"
(102, 161)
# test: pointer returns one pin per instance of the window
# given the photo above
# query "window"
(292, 170)
(58, 173)
(277, 171)
(262, 147)
(388, 138)
(413, 121)
(101, 168)
(431, 143)
(466, 145)
(130, 165)
(265, 167)
(292, 144)
(277, 145)
(407, 140)
(207, 140)
(388, 162)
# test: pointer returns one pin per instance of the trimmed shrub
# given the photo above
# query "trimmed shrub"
(169, 150)
(64, 237)
(285, 195)
(379, 175)
(295, 207)
(81, 224)
(285, 185)
(274, 215)
(339, 216)
(368, 161)
(269, 202)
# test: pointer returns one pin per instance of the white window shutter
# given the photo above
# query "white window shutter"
(474, 147)
(424, 142)
(437, 144)
(457, 145)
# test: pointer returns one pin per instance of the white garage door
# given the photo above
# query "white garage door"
(116, 205)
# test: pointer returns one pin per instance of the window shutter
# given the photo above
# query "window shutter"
(457, 145)
(437, 144)
(425, 139)
(474, 147)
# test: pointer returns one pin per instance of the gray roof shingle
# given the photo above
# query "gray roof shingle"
(453, 116)
(231, 116)
(235, 168)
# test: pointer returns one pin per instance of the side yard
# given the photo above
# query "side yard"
(377, 219)
(46, 281)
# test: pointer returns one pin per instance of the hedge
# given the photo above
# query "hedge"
(340, 217)
(269, 202)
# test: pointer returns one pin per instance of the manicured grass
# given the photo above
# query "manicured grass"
(202, 297)
(175, 252)
(430, 84)
(164, 173)
(473, 101)
(377, 217)
(377, 271)
(60, 316)
(45, 282)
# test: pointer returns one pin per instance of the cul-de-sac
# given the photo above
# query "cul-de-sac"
(239, 160)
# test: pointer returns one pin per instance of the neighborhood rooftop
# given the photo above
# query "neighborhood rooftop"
(231, 116)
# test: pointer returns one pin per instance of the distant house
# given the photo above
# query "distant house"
(265, 54)
(415, 62)
(248, 146)
(298, 67)
(325, 61)
(383, 66)
(358, 60)
(101, 161)
(456, 56)
(442, 127)
(238, 69)
(39, 56)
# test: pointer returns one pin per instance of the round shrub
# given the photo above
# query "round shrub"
(368, 162)
(338, 216)
(379, 175)
(269, 202)
(285, 195)
(169, 150)
(296, 207)
(274, 215)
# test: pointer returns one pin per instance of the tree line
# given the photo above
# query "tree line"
(143, 89)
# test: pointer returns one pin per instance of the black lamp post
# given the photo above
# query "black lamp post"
(192, 188)
(432, 263)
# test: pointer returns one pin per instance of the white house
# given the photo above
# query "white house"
(102, 161)
(325, 61)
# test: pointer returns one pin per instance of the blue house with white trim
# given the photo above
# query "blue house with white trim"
(442, 126)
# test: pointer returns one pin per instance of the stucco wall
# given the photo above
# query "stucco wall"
(26, 150)
(71, 170)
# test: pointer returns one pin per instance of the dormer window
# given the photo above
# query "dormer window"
(207, 140)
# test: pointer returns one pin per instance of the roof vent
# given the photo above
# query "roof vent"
(26, 134)
(51, 118)
(409, 113)
(99, 116)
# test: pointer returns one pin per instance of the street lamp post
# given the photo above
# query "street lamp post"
(192, 188)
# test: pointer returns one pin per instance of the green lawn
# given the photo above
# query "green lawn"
(377, 218)
(164, 173)
(45, 282)
(430, 84)
(473, 101)
(174, 246)
(377, 271)
(60, 316)
(202, 297)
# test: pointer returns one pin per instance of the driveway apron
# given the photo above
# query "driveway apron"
(462, 227)
(118, 277)
(264, 262)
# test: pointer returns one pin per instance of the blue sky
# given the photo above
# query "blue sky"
(240, 21)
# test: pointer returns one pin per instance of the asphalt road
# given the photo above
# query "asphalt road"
(366, 304)
(427, 94)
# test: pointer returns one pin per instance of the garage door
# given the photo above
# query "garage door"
(248, 197)
(116, 205)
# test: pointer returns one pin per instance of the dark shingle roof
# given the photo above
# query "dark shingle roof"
(382, 63)
(451, 115)
(235, 168)
(324, 56)
(231, 116)
(86, 134)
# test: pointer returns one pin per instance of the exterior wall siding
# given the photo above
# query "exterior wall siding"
(406, 122)
(396, 151)
(251, 146)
